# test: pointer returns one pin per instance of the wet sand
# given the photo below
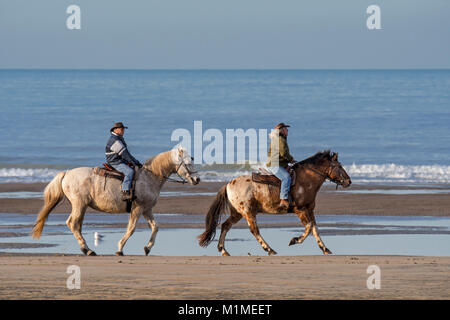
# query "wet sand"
(156, 277)
(31, 276)
(328, 202)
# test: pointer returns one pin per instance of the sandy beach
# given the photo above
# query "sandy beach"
(34, 276)
(156, 277)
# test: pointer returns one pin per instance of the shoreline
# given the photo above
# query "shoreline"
(328, 201)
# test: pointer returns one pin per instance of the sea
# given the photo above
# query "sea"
(388, 126)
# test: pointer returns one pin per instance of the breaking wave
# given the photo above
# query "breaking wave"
(363, 173)
(393, 173)
(27, 175)
(360, 173)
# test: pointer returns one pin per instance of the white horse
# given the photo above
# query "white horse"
(85, 189)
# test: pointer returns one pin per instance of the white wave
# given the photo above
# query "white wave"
(365, 173)
(215, 176)
(27, 175)
(359, 173)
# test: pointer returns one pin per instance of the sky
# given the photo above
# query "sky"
(227, 34)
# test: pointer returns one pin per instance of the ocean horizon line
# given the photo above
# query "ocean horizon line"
(228, 69)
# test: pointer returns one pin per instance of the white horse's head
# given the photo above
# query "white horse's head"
(184, 165)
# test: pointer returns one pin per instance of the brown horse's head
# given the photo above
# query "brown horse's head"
(329, 167)
(336, 172)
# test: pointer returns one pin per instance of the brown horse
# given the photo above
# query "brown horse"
(242, 197)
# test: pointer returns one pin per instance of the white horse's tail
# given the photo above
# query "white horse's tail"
(53, 194)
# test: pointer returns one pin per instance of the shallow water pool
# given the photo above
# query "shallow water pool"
(342, 234)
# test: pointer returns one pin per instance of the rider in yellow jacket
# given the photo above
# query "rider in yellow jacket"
(278, 159)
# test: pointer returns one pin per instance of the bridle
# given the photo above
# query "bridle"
(183, 181)
(323, 175)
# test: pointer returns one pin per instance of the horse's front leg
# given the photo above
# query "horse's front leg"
(154, 226)
(315, 232)
(134, 216)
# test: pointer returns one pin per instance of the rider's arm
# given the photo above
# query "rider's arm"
(129, 158)
(284, 151)
(122, 151)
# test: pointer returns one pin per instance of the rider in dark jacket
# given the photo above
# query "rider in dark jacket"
(119, 158)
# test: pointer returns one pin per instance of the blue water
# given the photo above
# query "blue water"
(60, 119)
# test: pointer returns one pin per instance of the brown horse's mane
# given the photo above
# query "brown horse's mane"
(319, 156)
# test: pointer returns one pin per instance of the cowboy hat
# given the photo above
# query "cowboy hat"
(118, 125)
(281, 125)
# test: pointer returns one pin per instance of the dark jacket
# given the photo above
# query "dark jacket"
(116, 151)
(282, 152)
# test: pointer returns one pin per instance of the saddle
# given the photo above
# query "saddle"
(109, 172)
(266, 177)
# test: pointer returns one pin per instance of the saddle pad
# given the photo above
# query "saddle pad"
(107, 174)
(266, 179)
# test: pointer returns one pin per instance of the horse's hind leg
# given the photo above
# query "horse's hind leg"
(226, 226)
(251, 220)
(75, 223)
(134, 216)
(152, 223)
(306, 221)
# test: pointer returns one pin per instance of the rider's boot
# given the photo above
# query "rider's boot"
(284, 206)
(126, 195)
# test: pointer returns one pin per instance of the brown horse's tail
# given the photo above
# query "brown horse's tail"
(216, 209)
(53, 194)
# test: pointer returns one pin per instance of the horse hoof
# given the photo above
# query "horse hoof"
(225, 254)
(119, 253)
(293, 241)
(84, 250)
(272, 252)
(91, 253)
(327, 251)
(146, 250)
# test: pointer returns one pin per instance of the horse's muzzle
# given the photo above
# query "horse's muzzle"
(346, 183)
(195, 180)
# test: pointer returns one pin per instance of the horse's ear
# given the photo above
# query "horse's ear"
(334, 156)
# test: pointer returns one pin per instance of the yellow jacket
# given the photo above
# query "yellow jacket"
(282, 152)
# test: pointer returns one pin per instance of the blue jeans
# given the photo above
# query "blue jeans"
(282, 174)
(128, 172)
